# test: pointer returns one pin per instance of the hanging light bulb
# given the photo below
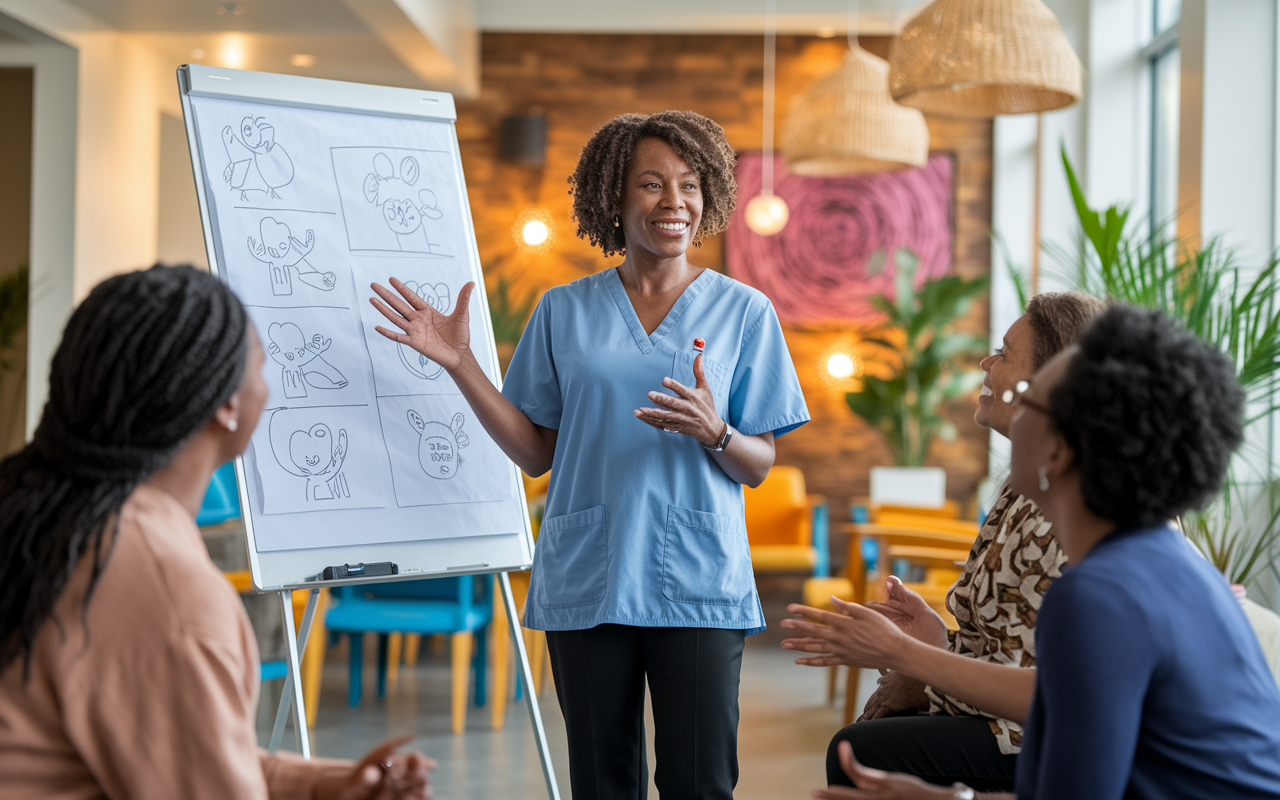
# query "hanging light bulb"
(766, 213)
(848, 124)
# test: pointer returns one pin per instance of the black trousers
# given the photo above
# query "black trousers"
(937, 749)
(693, 685)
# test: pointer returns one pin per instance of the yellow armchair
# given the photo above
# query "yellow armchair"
(786, 528)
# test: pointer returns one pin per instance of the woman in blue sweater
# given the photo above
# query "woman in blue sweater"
(1150, 682)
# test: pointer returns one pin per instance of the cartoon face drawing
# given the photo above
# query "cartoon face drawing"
(256, 162)
(312, 451)
(301, 360)
(403, 209)
(438, 298)
(438, 445)
(286, 257)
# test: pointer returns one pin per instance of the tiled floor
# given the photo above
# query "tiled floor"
(783, 734)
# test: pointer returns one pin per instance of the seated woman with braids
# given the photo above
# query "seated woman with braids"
(908, 726)
(128, 668)
(1150, 682)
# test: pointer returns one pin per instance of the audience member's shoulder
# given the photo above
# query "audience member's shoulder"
(161, 557)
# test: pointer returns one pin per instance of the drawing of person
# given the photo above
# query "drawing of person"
(313, 454)
(286, 257)
(402, 210)
(301, 361)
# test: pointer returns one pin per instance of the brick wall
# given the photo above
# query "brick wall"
(581, 81)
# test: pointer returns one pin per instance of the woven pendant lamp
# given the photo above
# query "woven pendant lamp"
(847, 123)
(983, 58)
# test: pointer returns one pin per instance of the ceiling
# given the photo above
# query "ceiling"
(432, 43)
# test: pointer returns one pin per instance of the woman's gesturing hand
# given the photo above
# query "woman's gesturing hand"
(894, 694)
(443, 338)
(855, 636)
(878, 784)
(692, 411)
(909, 611)
(382, 774)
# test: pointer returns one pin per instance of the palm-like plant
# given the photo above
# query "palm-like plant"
(1204, 289)
(927, 370)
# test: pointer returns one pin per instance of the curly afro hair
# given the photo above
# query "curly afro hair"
(596, 183)
(1152, 413)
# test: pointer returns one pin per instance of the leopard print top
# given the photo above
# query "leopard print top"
(997, 597)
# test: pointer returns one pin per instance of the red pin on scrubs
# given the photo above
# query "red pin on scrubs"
(699, 344)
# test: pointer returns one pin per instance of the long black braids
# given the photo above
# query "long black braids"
(144, 363)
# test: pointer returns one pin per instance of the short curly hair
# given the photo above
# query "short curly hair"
(596, 183)
(1152, 414)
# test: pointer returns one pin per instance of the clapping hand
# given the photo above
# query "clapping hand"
(909, 611)
(382, 774)
(894, 694)
(852, 635)
(443, 338)
(876, 784)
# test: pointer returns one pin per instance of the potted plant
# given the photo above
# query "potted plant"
(926, 357)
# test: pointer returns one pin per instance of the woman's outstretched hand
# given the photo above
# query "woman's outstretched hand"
(878, 784)
(692, 411)
(909, 611)
(382, 774)
(852, 635)
(443, 338)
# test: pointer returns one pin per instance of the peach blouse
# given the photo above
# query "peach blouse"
(153, 692)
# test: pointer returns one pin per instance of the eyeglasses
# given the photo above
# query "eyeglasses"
(1017, 397)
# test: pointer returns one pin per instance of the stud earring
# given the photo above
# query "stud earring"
(1044, 478)
(232, 424)
(617, 222)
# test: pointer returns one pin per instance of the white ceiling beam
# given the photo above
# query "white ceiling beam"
(438, 40)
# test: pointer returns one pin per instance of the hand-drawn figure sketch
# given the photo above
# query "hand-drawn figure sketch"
(438, 444)
(256, 163)
(402, 209)
(437, 297)
(301, 361)
(312, 454)
(397, 201)
(286, 257)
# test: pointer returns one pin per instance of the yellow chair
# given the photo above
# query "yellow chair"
(786, 528)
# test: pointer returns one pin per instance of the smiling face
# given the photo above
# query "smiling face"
(1011, 363)
(661, 201)
(275, 236)
(311, 450)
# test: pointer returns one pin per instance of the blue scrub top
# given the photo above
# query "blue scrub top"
(642, 527)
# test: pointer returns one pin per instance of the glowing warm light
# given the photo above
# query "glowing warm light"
(302, 60)
(231, 54)
(826, 32)
(840, 365)
(534, 232)
(766, 214)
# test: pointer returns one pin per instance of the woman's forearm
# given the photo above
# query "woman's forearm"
(530, 446)
(996, 689)
(747, 459)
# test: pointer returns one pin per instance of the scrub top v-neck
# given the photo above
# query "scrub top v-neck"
(643, 527)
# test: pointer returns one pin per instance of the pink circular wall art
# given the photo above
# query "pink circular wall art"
(815, 269)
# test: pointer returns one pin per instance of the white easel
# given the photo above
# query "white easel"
(291, 694)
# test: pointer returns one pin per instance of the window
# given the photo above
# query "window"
(1165, 61)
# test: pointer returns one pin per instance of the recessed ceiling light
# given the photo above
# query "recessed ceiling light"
(302, 60)
(230, 8)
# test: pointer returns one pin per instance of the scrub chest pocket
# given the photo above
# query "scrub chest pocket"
(573, 549)
(705, 559)
(717, 377)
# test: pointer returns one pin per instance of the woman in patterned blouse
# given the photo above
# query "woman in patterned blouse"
(910, 727)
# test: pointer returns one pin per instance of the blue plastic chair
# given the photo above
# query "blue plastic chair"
(460, 606)
(222, 500)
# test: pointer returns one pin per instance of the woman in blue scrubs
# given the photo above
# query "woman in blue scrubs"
(655, 389)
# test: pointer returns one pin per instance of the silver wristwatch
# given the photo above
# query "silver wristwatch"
(961, 792)
(724, 440)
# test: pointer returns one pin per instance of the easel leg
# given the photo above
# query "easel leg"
(291, 694)
(535, 714)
